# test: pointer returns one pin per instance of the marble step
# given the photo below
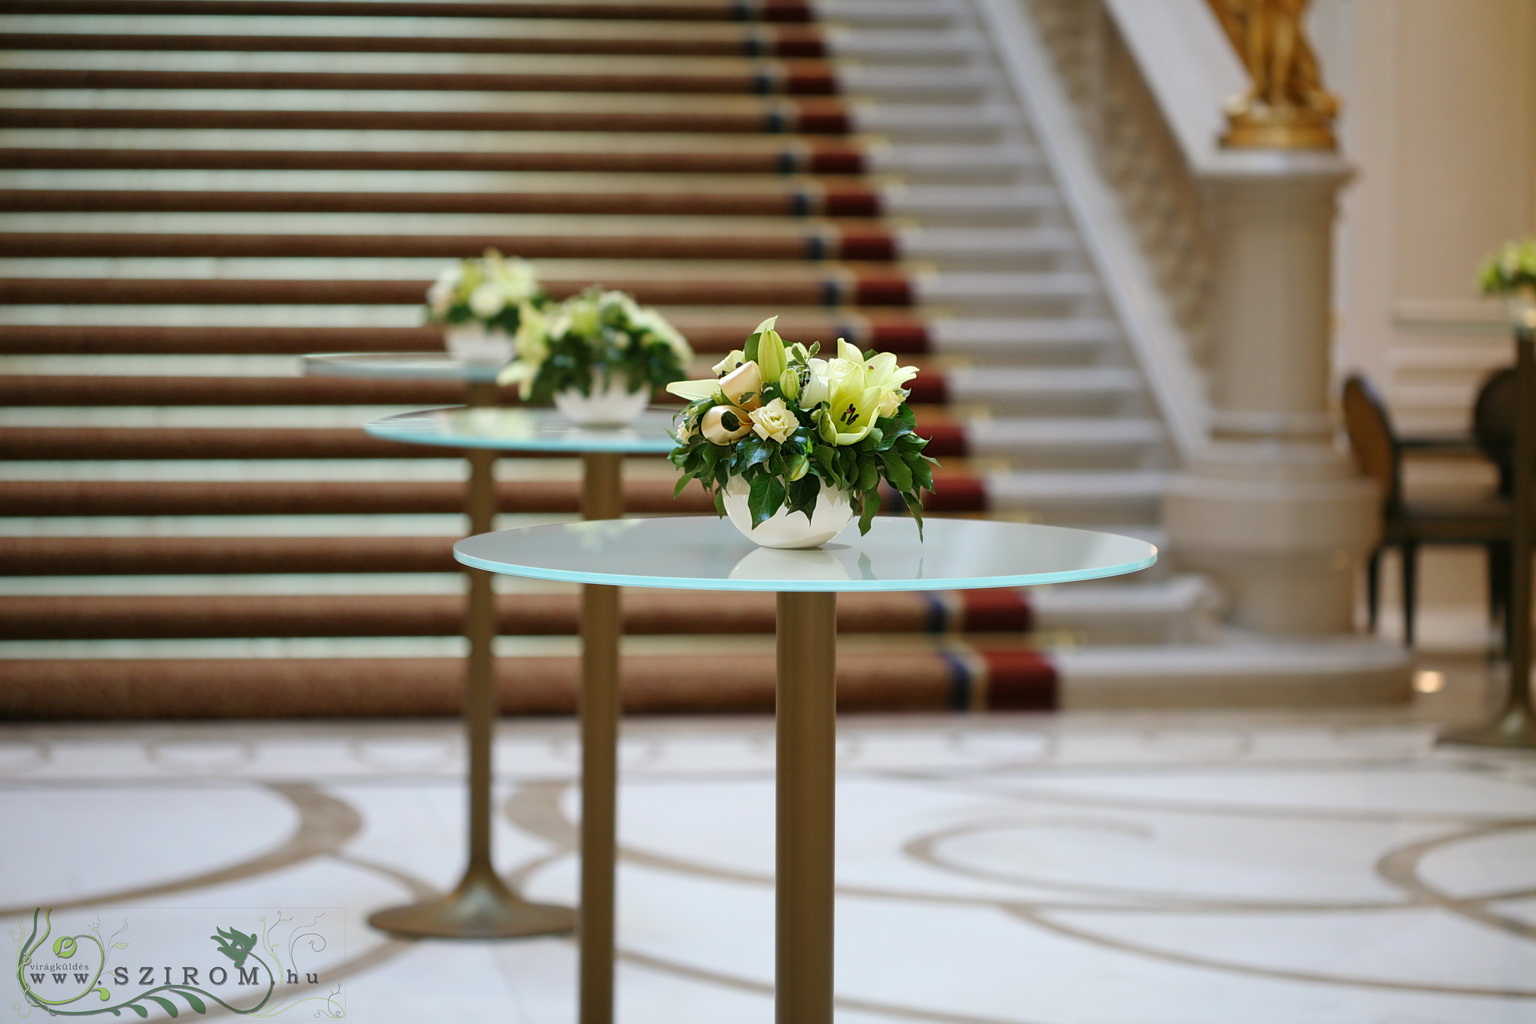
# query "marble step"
(948, 81)
(233, 614)
(207, 76)
(1039, 389)
(786, 287)
(1175, 608)
(1071, 497)
(1028, 249)
(377, 36)
(461, 200)
(954, 492)
(660, 10)
(1076, 442)
(508, 152)
(910, 675)
(138, 331)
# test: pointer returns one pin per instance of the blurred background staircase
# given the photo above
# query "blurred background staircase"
(197, 192)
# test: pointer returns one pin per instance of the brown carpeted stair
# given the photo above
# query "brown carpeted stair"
(177, 231)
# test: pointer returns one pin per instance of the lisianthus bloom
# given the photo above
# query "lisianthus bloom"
(743, 386)
(774, 421)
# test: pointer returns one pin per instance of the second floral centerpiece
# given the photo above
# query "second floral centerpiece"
(597, 356)
(792, 446)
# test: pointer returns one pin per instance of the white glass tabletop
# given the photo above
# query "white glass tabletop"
(704, 553)
(398, 366)
(525, 430)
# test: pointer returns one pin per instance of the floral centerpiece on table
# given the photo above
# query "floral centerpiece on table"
(784, 432)
(597, 356)
(1511, 273)
(480, 303)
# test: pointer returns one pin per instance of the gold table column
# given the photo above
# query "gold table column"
(602, 497)
(806, 716)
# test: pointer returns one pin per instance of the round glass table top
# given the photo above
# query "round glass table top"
(525, 430)
(704, 553)
(398, 366)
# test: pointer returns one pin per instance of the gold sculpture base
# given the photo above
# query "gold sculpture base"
(480, 908)
(1259, 126)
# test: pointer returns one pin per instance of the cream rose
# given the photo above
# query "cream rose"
(486, 301)
(774, 421)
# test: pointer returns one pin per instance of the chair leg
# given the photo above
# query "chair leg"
(1372, 588)
(1498, 591)
(1410, 589)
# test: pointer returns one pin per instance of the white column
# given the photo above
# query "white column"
(1273, 508)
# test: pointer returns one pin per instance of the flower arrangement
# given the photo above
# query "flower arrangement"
(491, 292)
(597, 343)
(787, 425)
(1511, 268)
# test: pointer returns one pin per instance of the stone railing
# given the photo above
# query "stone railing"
(1140, 156)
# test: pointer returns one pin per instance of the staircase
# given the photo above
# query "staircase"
(197, 192)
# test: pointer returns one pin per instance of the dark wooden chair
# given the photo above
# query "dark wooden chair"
(1485, 520)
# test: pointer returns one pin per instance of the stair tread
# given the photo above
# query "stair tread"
(894, 332)
(655, 10)
(667, 613)
(767, 155)
(691, 75)
(411, 36)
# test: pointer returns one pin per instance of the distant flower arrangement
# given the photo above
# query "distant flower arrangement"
(791, 429)
(491, 292)
(598, 344)
(1511, 268)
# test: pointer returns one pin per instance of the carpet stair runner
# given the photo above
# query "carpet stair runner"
(198, 191)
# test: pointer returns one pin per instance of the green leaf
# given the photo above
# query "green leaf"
(757, 454)
(136, 1008)
(765, 498)
(869, 475)
(896, 471)
(869, 504)
(915, 508)
(193, 1001)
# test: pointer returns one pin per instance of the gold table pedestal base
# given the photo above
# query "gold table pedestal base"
(1515, 728)
(480, 908)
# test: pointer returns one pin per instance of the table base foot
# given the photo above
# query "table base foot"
(480, 908)
(1514, 728)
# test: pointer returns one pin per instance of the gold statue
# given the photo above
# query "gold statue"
(1286, 107)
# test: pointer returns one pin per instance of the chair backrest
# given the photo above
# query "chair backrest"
(1371, 439)
(1493, 423)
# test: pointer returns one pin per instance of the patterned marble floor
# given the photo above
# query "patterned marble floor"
(998, 870)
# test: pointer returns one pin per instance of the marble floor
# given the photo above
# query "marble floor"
(1069, 869)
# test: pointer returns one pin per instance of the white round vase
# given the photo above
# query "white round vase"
(786, 529)
(612, 406)
(1520, 307)
(473, 343)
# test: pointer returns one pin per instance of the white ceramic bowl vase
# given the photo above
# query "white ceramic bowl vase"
(784, 529)
(473, 343)
(611, 406)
